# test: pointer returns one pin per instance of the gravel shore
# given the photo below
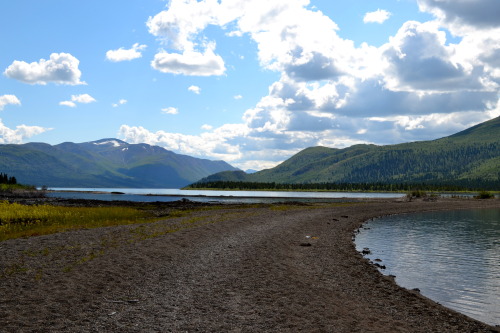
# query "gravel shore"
(233, 268)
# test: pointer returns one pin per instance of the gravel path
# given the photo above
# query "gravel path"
(267, 268)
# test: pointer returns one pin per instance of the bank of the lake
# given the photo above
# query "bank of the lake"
(248, 268)
(450, 256)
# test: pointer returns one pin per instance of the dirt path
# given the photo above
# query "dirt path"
(272, 268)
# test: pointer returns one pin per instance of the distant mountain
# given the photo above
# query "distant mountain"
(104, 163)
(468, 157)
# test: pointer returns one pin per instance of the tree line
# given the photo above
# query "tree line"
(6, 179)
(378, 186)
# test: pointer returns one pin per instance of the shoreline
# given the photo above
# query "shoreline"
(234, 268)
(215, 197)
(396, 193)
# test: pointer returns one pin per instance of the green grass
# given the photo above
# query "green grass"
(18, 220)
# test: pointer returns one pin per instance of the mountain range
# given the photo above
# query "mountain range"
(103, 163)
(470, 157)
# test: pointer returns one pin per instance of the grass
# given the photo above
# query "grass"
(18, 220)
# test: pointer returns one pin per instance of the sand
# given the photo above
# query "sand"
(264, 268)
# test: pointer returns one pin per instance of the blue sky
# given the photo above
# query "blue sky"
(251, 82)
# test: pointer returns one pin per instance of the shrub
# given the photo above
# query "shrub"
(416, 194)
(485, 195)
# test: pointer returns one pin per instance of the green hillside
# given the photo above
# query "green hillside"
(103, 163)
(468, 158)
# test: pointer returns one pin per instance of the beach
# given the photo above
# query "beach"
(221, 268)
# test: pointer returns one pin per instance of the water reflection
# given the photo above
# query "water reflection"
(453, 257)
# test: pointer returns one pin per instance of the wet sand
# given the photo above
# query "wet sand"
(255, 268)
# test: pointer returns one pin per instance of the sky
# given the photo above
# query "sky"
(250, 82)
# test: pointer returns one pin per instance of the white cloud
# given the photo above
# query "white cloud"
(238, 97)
(170, 110)
(419, 59)
(207, 127)
(18, 135)
(418, 86)
(120, 102)
(183, 20)
(195, 89)
(68, 103)
(178, 27)
(378, 16)
(463, 15)
(61, 68)
(215, 144)
(83, 99)
(190, 63)
(125, 54)
(8, 99)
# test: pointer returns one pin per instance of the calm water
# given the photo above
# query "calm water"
(148, 195)
(452, 257)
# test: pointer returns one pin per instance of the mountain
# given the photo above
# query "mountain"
(468, 157)
(103, 163)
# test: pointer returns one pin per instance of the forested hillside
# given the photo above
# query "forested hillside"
(470, 158)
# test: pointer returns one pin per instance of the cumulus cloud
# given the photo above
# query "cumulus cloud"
(378, 16)
(195, 89)
(178, 28)
(61, 68)
(8, 99)
(19, 134)
(419, 59)
(82, 99)
(170, 110)
(190, 63)
(479, 14)
(373, 98)
(417, 86)
(123, 54)
(184, 19)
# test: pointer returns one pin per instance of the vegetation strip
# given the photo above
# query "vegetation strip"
(18, 220)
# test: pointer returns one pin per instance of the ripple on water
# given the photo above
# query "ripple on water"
(452, 257)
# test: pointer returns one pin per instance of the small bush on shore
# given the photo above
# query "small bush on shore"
(416, 194)
(485, 195)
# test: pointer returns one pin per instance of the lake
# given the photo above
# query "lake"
(453, 257)
(149, 195)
